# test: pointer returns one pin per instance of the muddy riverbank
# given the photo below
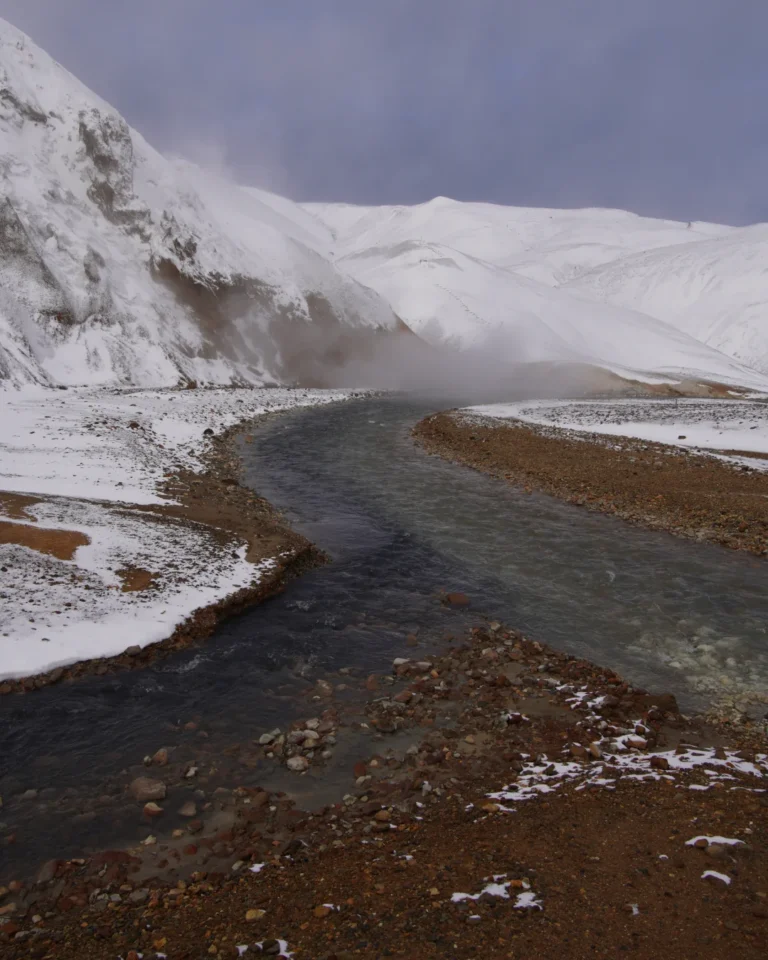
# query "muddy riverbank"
(647, 484)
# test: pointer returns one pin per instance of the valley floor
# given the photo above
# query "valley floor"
(697, 468)
(123, 526)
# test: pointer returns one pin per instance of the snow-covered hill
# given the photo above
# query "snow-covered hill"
(476, 274)
(715, 290)
(118, 265)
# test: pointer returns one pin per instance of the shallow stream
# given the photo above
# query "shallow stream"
(399, 527)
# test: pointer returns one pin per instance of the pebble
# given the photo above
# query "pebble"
(188, 809)
(254, 914)
(160, 759)
(152, 810)
(297, 764)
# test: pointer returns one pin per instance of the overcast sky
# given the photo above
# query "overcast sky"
(658, 106)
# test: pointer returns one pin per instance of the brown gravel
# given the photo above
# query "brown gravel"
(649, 484)
(374, 876)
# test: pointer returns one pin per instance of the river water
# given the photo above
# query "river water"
(399, 527)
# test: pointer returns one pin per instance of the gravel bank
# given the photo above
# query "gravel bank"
(689, 494)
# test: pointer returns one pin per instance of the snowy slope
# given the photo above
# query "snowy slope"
(479, 275)
(548, 245)
(118, 265)
(716, 290)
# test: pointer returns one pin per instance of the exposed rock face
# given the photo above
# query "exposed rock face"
(118, 265)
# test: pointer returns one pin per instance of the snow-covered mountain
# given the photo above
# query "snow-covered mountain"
(119, 265)
(474, 273)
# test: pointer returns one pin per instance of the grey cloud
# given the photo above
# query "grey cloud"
(655, 106)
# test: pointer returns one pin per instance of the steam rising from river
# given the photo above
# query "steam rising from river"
(501, 368)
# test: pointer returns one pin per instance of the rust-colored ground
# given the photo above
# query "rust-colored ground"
(15, 505)
(645, 483)
(61, 544)
(135, 579)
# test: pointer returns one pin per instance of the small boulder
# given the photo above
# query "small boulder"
(456, 600)
(145, 789)
(47, 872)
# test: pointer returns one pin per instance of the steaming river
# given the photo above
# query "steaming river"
(399, 527)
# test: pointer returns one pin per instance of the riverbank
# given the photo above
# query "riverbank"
(514, 801)
(124, 531)
(691, 493)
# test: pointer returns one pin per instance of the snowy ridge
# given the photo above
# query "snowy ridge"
(120, 266)
(511, 278)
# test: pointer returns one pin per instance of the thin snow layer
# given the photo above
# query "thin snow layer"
(72, 448)
(710, 425)
(722, 841)
(619, 762)
(116, 445)
(477, 274)
(56, 612)
(526, 900)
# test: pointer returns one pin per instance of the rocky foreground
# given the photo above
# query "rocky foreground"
(687, 493)
(542, 807)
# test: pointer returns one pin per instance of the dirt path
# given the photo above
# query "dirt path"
(649, 484)
(549, 810)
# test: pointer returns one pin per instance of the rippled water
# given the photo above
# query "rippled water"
(399, 527)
